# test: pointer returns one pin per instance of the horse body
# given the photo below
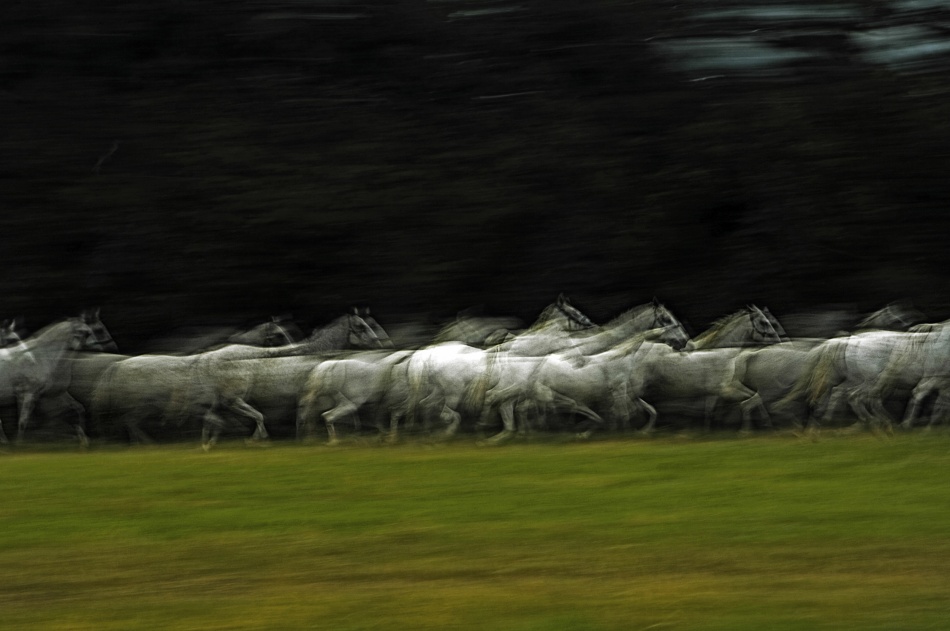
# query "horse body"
(337, 389)
(476, 330)
(207, 385)
(847, 368)
(921, 366)
(36, 369)
(661, 373)
(512, 375)
(190, 341)
(713, 367)
(225, 377)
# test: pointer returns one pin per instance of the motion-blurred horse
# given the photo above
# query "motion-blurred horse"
(35, 368)
(227, 377)
(513, 369)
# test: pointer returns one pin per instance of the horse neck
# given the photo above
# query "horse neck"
(641, 316)
(888, 318)
(550, 314)
(722, 334)
(546, 340)
(50, 344)
(332, 337)
(621, 328)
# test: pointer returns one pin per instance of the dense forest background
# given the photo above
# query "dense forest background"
(210, 161)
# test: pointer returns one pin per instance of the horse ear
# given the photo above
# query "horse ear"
(561, 299)
(356, 311)
(656, 303)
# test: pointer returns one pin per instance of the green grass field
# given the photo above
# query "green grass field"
(670, 533)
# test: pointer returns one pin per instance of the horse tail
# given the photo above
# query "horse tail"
(816, 375)
(416, 377)
(898, 360)
(473, 398)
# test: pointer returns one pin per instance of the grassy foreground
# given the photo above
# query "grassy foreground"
(624, 534)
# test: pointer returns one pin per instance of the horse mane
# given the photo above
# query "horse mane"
(718, 328)
(634, 342)
(545, 318)
(898, 314)
(628, 315)
(34, 340)
(329, 337)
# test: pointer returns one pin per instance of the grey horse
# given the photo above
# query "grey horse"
(35, 369)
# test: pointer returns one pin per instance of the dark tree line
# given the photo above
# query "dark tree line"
(202, 162)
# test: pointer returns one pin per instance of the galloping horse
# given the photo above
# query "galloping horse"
(35, 368)
(228, 377)
(712, 369)
(441, 377)
(513, 368)
(203, 385)
(189, 341)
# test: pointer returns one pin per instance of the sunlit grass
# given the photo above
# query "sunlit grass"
(620, 534)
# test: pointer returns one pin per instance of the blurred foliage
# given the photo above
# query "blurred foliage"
(204, 161)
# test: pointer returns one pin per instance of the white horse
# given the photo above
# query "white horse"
(35, 369)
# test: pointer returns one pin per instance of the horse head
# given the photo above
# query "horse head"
(575, 319)
(275, 334)
(361, 334)
(763, 331)
(8, 333)
(93, 334)
(384, 339)
(779, 329)
(663, 318)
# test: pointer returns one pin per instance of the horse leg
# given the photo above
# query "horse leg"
(857, 399)
(873, 406)
(395, 415)
(754, 402)
(939, 409)
(79, 412)
(920, 392)
(131, 420)
(576, 407)
(243, 408)
(425, 406)
(452, 420)
(304, 415)
(3, 436)
(27, 403)
(863, 400)
(211, 429)
(524, 411)
(506, 408)
(450, 414)
(709, 407)
(826, 412)
(651, 412)
(343, 408)
(619, 413)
